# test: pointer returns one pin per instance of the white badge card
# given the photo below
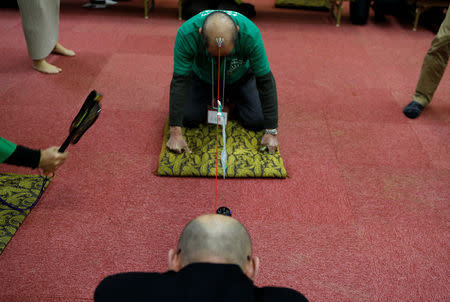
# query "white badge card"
(212, 117)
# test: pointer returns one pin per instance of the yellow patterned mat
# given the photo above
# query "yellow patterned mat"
(20, 191)
(243, 147)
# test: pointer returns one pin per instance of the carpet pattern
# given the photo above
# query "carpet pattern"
(20, 191)
(363, 216)
(244, 156)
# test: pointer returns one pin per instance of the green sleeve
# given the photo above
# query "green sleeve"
(183, 53)
(6, 149)
(258, 58)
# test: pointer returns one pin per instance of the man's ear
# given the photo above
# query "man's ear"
(174, 261)
(237, 26)
(252, 268)
(200, 30)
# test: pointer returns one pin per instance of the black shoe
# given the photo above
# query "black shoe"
(413, 109)
(224, 211)
(99, 3)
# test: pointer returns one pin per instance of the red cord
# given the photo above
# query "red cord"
(218, 79)
(217, 160)
(217, 137)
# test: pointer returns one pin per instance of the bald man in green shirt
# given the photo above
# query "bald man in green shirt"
(249, 84)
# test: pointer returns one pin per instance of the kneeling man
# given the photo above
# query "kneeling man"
(245, 76)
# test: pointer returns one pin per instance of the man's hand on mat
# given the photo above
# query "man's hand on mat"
(269, 142)
(176, 142)
(51, 159)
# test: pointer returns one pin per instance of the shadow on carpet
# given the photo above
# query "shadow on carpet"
(20, 191)
(318, 5)
(243, 147)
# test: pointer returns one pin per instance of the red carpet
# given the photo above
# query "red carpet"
(364, 215)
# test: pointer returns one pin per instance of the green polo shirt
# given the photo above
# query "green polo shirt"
(6, 149)
(191, 55)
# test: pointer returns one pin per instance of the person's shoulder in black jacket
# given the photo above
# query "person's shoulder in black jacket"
(266, 294)
(213, 262)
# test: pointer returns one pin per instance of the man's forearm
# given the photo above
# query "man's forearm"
(25, 157)
(179, 89)
(269, 101)
(175, 130)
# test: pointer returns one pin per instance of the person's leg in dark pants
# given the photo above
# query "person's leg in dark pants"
(243, 95)
(248, 110)
(197, 103)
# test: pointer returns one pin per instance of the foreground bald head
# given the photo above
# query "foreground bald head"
(215, 239)
(219, 25)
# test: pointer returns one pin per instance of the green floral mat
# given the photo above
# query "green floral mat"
(243, 147)
(20, 191)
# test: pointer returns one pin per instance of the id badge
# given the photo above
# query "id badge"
(212, 117)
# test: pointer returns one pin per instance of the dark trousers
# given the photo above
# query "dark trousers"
(243, 97)
(192, 7)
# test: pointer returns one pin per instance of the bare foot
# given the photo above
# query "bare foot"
(61, 50)
(45, 67)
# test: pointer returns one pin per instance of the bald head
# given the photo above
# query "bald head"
(219, 25)
(215, 238)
